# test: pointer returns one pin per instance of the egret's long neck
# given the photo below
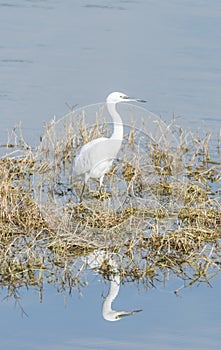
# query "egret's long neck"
(114, 289)
(118, 125)
(113, 292)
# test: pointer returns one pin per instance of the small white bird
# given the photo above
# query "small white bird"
(96, 157)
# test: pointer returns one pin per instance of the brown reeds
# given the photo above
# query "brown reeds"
(159, 210)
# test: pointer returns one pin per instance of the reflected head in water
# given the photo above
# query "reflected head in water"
(96, 157)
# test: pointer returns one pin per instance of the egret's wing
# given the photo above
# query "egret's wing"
(94, 153)
(84, 159)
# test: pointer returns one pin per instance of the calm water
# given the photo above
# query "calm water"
(76, 52)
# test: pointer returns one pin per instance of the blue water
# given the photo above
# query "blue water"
(55, 52)
(191, 321)
(76, 52)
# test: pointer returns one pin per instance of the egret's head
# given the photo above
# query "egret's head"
(116, 97)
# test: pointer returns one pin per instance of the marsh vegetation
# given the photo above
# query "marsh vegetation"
(158, 211)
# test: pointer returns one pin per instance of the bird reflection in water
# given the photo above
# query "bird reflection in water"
(95, 261)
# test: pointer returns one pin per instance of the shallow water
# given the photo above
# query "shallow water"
(53, 53)
(56, 52)
(168, 322)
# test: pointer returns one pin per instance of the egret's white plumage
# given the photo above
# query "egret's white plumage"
(96, 157)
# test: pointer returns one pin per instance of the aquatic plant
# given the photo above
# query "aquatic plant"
(158, 213)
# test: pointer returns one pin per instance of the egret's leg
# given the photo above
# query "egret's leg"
(82, 192)
(101, 181)
(131, 190)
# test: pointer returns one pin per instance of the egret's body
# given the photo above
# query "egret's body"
(96, 157)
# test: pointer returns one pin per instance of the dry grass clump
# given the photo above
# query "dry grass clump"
(20, 220)
(159, 210)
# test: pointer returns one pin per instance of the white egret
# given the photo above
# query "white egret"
(94, 261)
(96, 157)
